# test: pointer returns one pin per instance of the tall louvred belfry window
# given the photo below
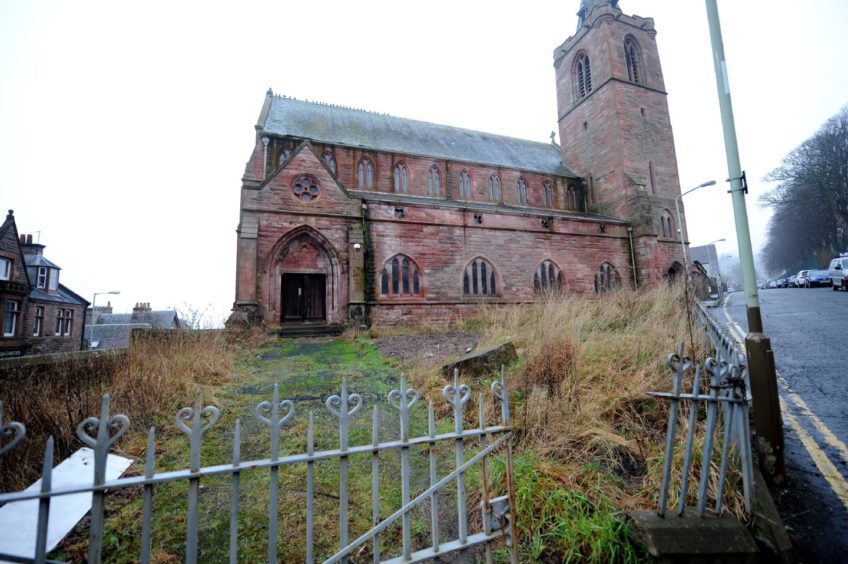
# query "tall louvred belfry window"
(584, 75)
(631, 58)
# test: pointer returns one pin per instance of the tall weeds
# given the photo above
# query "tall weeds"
(159, 373)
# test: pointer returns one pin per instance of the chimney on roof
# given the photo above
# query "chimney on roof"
(30, 248)
(141, 307)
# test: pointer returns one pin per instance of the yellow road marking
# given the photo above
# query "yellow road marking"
(825, 466)
(828, 435)
(823, 463)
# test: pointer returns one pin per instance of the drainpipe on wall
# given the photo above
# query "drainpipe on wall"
(632, 258)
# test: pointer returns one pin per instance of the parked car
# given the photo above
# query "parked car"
(800, 279)
(791, 282)
(781, 283)
(836, 271)
(816, 278)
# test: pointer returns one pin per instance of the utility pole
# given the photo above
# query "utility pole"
(761, 369)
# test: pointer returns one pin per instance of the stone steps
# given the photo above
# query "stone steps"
(309, 330)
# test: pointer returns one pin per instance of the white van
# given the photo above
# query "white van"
(836, 271)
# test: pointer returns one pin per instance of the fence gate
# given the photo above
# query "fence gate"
(498, 521)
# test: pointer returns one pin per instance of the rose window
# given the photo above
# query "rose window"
(305, 189)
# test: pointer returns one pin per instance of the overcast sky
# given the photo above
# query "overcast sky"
(125, 126)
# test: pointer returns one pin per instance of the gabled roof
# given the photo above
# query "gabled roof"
(338, 125)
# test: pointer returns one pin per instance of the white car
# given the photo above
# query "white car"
(836, 271)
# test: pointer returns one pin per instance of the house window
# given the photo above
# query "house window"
(69, 322)
(305, 188)
(521, 187)
(607, 279)
(495, 188)
(5, 269)
(60, 321)
(547, 278)
(330, 161)
(584, 75)
(548, 193)
(38, 326)
(479, 278)
(434, 181)
(10, 318)
(41, 281)
(365, 173)
(401, 178)
(464, 185)
(667, 224)
(631, 58)
(400, 278)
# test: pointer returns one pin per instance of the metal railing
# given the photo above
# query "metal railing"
(725, 387)
(100, 433)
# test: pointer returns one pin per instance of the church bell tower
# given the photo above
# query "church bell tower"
(615, 129)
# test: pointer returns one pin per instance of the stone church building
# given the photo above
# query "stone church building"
(349, 216)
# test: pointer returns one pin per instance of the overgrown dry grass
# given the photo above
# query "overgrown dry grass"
(585, 421)
(158, 374)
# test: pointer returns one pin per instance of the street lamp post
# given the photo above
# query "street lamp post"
(680, 226)
(94, 314)
(761, 370)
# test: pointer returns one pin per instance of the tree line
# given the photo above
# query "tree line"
(810, 203)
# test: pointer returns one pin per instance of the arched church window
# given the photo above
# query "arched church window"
(400, 278)
(330, 161)
(667, 224)
(464, 185)
(401, 178)
(607, 279)
(631, 58)
(547, 278)
(495, 188)
(521, 189)
(584, 75)
(282, 156)
(573, 200)
(365, 173)
(548, 193)
(434, 181)
(479, 278)
(305, 188)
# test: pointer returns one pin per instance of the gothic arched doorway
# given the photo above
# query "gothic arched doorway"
(304, 278)
(674, 273)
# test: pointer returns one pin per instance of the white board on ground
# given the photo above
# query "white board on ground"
(19, 519)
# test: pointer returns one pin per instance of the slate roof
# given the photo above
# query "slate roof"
(163, 319)
(338, 125)
(39, 260)
(62, 296)
(114, 336)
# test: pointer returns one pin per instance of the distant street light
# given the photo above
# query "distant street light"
(94, 315)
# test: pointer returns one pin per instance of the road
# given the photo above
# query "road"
(809, 335)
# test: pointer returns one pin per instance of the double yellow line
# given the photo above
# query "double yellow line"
(837, 482)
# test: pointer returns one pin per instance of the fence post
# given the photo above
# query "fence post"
(767, 421)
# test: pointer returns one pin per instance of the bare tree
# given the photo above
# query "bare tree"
(811, 201)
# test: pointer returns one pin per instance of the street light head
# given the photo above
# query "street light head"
(707, 183)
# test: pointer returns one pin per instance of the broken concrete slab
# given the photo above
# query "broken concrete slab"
(690, 538)
(484, 362)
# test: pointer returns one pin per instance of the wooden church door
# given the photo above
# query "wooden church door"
(304, 297)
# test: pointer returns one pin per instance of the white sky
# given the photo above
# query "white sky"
(125, 126)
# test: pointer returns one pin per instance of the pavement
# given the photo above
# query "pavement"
(810, 344)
